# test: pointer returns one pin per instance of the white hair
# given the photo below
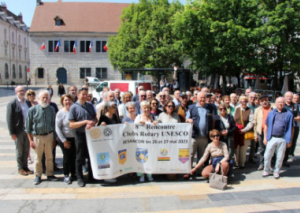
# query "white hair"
(144, 103)
(129, 104)
(279, 98)
(232, 94)
(188, 93)
(288, 92)
(105, 94)
(109, 104)
(294, 95)
(251, 93)
(149, 91)
(44, 92)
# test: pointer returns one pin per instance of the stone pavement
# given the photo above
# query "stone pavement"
(247, 191)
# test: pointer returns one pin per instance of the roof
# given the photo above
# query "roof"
(78, 17)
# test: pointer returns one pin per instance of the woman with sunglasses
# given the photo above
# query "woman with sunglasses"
(154, 108)
(30, 96)
(243, 117)
(168, 115)
(225, 123)
(218, 153)
(226, 100)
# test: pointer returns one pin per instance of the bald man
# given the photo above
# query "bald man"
(16, 116)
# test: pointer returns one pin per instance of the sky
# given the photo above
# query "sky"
(27, 7)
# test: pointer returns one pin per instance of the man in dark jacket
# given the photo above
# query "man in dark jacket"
(16, 115)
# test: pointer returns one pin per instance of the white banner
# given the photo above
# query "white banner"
(125, 148)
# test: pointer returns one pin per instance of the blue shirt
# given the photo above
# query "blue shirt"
(279, 124)
(202, 120)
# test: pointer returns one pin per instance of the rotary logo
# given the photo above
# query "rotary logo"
(95, 133)
(107, 132)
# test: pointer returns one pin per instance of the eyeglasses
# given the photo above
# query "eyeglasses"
(215, 136)
(83, 89)
(144, 96)
(170, 106)
(154, 103)
(221, 109)
(162, 96)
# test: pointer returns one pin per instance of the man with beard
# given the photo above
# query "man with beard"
(40, 124)
(73, 93)
(16, 115)
(81, 116)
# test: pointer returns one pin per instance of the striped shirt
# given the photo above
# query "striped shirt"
(40, 120)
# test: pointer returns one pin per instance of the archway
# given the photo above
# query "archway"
(61, 75)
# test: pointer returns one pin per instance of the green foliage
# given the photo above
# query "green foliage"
(146, 37)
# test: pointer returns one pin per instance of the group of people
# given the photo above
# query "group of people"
(223, 127)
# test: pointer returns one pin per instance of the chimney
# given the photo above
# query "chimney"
(39, 2)
(20, 18)
(4, 8)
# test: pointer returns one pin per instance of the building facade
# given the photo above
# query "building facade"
(68, 39)
(14, 48)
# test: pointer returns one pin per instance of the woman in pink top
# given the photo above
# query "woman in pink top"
(219, 155)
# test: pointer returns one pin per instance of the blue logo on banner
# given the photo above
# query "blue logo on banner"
(141, 155)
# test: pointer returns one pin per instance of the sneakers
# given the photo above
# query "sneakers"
(84, 169)
(29, 172)
(276, 175)
(37, 180)
(52, 178)
(113, 180)
(22, 172)
(150, 178)
(73, 177)
(81, 183)
(142, 178)
(265, 174)
(67, 180)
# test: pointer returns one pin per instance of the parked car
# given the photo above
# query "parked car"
(92, 81)
(123, 85)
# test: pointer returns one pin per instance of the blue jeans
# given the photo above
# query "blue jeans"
(277, 145)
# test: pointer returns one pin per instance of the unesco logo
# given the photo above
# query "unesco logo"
(107, 132)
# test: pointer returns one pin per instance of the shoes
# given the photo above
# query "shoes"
(52, 178)
(265, 174)
(150, 178)
(242, 167)
(113, 180)
(29, 172)
(142, 178)
(56, 169)
(37, 180)
(81, 183)
(232, 175)
(261, 167)
(22, 172)
(186, 177)
(286, 165)
(276, 175)
(67, 180)
(73, 177)
(84, 170)
(252, 161)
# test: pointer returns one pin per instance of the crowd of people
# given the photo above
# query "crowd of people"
(223, 127)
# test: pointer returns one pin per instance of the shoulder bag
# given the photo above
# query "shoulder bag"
(248, 135)
(217, 181)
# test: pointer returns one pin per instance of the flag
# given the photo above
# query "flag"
(57, 45)
(105, 47)
(43, 46)
(74, 47)
(90, 47)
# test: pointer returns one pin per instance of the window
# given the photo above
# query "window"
(68, 46)
(84, 46)
(20, 71)
(25, 54)
(25, 73)
(101, 73)
(5, 49)
(57, 22)
(13, 52)
(20, 53)
(40, 72)
(5, 34)
(85, 72)
(12, 36)
(99, 46)
(6, 71)
(52, 45)
(14, 71)
(19, 39)
(24, 42)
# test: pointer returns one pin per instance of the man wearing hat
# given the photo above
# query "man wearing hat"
(182, 108)
(260, 117)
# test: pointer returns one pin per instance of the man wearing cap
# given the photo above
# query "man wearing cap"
(182, 108)
(260, 117)
(176, 98)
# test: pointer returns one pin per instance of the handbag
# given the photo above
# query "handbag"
(217, 181)
(248, 135)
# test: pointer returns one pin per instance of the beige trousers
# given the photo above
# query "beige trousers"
(43, 144)
(241, 153)
(198, 145)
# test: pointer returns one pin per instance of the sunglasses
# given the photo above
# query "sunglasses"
(144, 96)
(31, 94)
(162, 96)
(215, 136)
(154, 103)
(221, 109)
(170, 106)
(83, 89)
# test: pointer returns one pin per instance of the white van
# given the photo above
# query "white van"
(123, 85)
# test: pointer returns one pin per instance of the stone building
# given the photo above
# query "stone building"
(14, 47)
(85, 24)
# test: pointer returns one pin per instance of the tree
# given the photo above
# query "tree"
(146, 36)
(280, 36)
(220, 37)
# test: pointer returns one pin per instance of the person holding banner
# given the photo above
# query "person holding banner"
(130, 107)
(82, 115)
(168, 115)
(144, 118)
(154, 108)
(126, 97)
(218, 152)
(109, 117)
(66, 136)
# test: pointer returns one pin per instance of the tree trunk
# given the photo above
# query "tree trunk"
(223, 84)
